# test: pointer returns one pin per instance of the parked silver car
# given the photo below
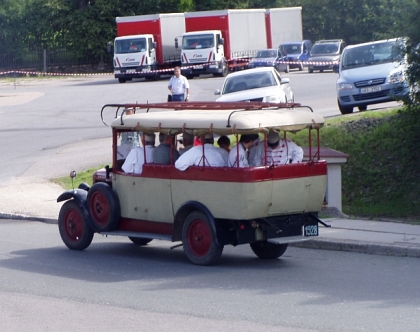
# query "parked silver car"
(324, 54)
(371, 73)
(271, 57)
(259, 84)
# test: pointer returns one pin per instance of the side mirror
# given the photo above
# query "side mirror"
(154, 45)
(176, 43)
(109, 47)
(217, 92)
(221, 41)
(285, 80)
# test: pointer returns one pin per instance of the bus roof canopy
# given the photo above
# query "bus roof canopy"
(200, 121)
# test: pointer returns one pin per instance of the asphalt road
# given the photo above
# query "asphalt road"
(115, 285)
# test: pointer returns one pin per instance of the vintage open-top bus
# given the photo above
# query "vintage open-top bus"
(204, 207)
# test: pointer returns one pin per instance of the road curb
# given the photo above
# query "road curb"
(360, 247)
(27, 218)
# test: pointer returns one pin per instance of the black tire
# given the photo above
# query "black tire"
(198, 240)
(122, 80)
(287, 69)
(344, 109)
(139, 241)
(310, 71)
(268, 250)
(104, 207)
(225, 71)
(362, 107)
(73, 227)
(301, 67)
(321, 71)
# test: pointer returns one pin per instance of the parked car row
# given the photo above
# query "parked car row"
(298, 54)
(369, 73)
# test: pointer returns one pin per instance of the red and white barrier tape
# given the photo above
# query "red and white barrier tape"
(38, 73)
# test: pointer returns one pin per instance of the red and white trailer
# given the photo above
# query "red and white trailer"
(283, 25)
(216, 41)
(145, 45)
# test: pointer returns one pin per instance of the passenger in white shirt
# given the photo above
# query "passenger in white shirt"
(238, 155)
(213, 156)
(279, 151)
(135, 159)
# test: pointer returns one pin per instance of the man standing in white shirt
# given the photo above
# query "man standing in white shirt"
(179, 86)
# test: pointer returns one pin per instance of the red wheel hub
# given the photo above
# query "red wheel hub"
(199, 238)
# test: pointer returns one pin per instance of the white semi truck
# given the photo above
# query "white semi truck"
(144, 46)
(216, 41)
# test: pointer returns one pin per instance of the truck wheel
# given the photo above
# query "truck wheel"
(198, 241)
(225, 71)
(122, 80)
(74, 230)
(104, 207)
(268, 250)
(140, 241)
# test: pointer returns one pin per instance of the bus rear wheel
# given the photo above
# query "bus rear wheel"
(198, 240)
(268, 250)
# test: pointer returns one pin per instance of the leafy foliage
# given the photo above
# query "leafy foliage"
(381, 176)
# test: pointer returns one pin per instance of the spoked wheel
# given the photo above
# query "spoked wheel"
(74, 230)
(140, 241)
(268, 250)
(199, 243)
(104, 207)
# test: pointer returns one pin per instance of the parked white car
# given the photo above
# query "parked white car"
(259, 84)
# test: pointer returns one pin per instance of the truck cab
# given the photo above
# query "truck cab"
(133, 55)
(202, 52)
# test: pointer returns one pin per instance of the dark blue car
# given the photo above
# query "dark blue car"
(270, 58)
(297, 53)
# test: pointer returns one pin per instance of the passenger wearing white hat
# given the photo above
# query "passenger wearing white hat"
(213, 156)
(135, 159)
(279, 151)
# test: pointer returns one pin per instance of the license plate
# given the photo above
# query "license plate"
(130, 71)
(198, 67)
(310, 230)
(370, 89)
